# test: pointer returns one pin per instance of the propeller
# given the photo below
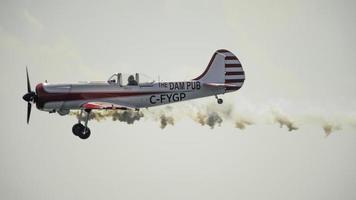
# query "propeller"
(30, 97)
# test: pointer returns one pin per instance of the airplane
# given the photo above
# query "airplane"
(223, 74)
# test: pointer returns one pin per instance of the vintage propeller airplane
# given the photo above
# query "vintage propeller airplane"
(223, 74)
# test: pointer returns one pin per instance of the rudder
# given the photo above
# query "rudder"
(224, 67)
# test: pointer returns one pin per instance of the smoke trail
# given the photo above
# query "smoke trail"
(128, 116)
(98, 116)
(284, 121)
(242, 123)
(163, 115)
(213, 119)
(208, 117)
(213, 115)
(329, 128)
(200, 118)
(165, 120)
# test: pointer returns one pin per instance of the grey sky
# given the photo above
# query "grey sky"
(299, 57)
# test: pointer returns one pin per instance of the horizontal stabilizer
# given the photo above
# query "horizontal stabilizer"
(219, 85)
(226, 86)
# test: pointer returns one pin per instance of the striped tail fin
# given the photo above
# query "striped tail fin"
(225, 69)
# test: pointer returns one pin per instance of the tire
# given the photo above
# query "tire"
(84, 135)
(77, 128)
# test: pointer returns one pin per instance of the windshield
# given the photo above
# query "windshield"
(130, 79)
(146, 79)
(113, 78)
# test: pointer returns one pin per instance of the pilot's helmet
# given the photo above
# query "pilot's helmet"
(131, 78)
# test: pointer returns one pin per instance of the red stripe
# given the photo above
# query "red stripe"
(222, 51)
(231, 58)
(99, 106)
(44, 97)
(234, 73)
(232, 65)
(232, 87)
(234, 80)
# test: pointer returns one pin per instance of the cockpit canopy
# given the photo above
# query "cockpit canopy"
(130, 79)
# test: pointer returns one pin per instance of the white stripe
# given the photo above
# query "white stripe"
(232, 62)
(235, 77)
(228, 54)
(236, 84)
(234, 69)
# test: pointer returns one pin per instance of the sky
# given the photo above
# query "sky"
(298, 58)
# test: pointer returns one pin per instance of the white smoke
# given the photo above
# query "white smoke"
(329, 128)
(241, 123)
(284, 120)
(214, 115)
(128, 116)
(165, 120)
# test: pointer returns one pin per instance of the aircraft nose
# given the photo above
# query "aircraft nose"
(27, 97)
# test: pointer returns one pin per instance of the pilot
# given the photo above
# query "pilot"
(131, 80)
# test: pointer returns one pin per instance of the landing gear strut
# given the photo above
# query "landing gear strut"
(80, 130)
(220, 101)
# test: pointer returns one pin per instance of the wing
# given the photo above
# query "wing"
(105, 105)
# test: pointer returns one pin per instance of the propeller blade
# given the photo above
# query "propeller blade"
(28, 81)
(28, 112)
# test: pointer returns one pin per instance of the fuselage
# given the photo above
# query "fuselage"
(65, 97)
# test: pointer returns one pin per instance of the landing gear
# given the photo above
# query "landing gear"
(80, 130)
(77, 128)
(219, 100)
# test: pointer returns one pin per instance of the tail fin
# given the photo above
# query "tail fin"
(224, 68)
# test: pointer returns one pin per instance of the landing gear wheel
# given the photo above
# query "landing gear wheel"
(77, 129)
(84, 134)
(80, 130)
(220, 101)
